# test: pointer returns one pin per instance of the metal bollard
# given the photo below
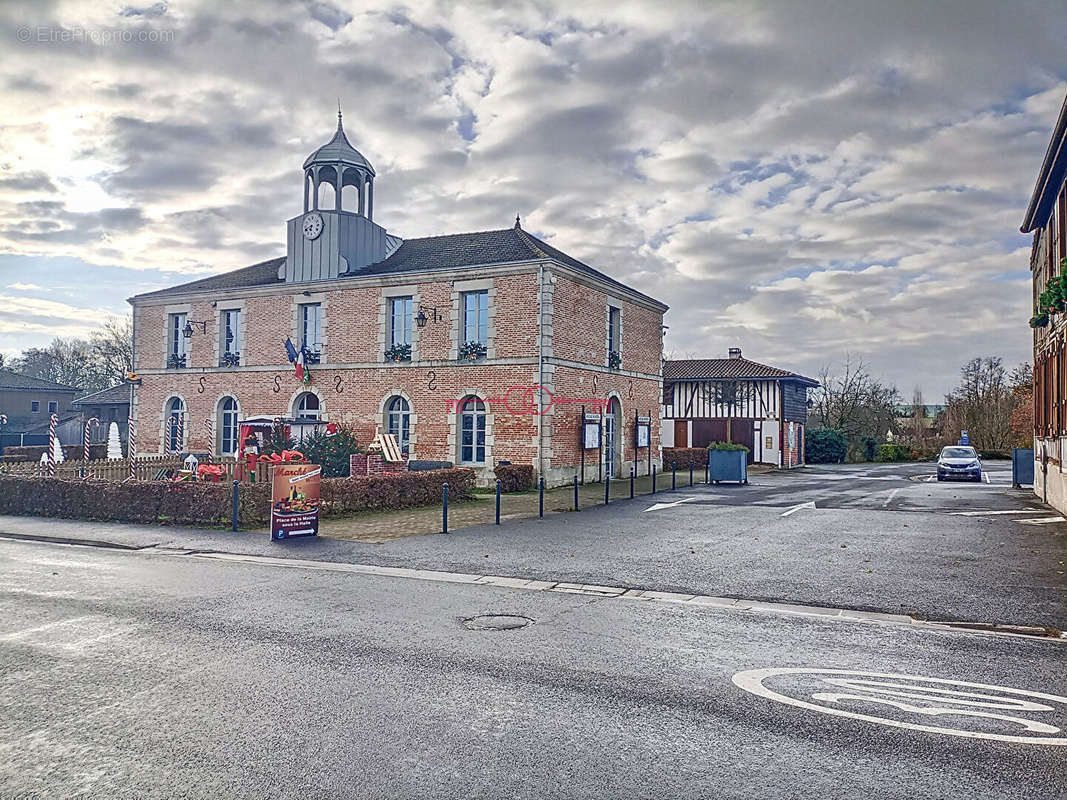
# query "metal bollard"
(541, 498)
(233, 521)
(444, 508)
(674, 473)
(575, 492)
(707, 470)
(653, 479)
(631, 483)
(498, 501)
(690, 471)
(607, 490)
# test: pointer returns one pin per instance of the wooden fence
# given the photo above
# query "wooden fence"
(146, 468)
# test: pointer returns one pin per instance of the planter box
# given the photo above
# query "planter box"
(728, 465)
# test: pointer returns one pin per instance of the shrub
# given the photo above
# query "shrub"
(209, 504)
(515, 477)
(331, 451)
(684, 456)
(726, 446)
(824, 446)
(893, 452)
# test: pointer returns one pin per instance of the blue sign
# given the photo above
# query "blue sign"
(965, 438)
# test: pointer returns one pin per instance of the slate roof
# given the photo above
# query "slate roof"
(726, 368)
(15, 380)
(116, 394)
(1050, 177)
(453, 251)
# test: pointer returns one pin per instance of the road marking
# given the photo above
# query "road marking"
(889, 499)
(658, 506)
(797, 508)
(892, 689)
(1041, 521)
(986, 476)
(993, 513)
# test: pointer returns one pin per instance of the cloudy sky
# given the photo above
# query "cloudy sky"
(800, 178)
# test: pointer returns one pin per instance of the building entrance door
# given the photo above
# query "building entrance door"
(611, 439)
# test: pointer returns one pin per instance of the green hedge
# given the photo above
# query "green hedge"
(894, 452)
(732, 446)
(515, 477)
(207, 504)
(683, 456)
(824, 446)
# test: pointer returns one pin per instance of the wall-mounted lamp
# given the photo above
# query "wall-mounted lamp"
(187, 331)
(421, 318)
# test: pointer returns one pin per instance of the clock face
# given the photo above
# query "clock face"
(312, 225)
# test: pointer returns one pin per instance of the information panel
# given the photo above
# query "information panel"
(294, 507)
(591, 435)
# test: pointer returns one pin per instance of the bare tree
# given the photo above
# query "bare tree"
(982, 405)
(97, 363)
(854, 402)
(112, 349)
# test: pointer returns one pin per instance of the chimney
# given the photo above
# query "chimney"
(735, 352)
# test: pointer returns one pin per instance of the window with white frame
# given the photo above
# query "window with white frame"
(398, 421)
(35, 406)
(175, 438)
(230, 337)
(307, 406)
(53, 407)
(472, 431)
(176, 341)
(311, 330)
(228, 432)
(400, 310)
(476, 317)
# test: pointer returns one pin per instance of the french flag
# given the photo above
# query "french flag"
(296, 358)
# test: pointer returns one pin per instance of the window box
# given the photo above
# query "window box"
(398, 352)
(176, 361)
(471, 351)
(614, 360)
(230, 360)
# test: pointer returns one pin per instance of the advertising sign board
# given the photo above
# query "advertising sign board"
(294, 509)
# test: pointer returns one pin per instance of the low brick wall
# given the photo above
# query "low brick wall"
(209, 504)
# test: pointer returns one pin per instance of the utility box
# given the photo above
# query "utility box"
(728, 465)
(1022, 467)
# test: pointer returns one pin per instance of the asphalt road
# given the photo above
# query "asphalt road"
(138, 674)
(879, 538)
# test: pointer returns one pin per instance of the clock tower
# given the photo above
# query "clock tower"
(325, 242)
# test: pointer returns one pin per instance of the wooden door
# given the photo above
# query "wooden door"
(681, 437)
(706, 431)
(743, 431)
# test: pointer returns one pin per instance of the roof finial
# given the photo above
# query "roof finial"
(338, 112)
(518, 227)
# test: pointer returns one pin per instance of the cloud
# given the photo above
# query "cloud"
(799, 179)
(25, 287)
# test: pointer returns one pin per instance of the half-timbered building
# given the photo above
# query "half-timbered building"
(736, 400)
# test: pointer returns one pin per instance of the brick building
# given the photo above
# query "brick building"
(1046, 218)
(441, 341)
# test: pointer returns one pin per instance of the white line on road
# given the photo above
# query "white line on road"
(1041, 521)
(658, 506)
(986, 476)
(797, 508)
(889, 498)
(993, 513)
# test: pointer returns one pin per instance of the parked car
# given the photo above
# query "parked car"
(957, 461)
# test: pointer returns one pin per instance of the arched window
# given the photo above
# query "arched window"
(612, 440)
(398, 421)
(227, 425)
(472, 431)
(175, 438)
(307, 406)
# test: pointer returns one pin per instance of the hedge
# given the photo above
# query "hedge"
(209, 504)
(895, 452)
(515, 477)
(824, 446)
(71, 452)
(682, 456)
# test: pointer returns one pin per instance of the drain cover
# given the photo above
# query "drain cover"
(496, 622)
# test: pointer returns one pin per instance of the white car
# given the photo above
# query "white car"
(958, 461)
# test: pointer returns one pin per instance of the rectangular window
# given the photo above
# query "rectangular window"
(35, 407)
(476, 317)
(176, 342)
(53, 407)
(231, 331)
(614, 329)
(400, 309)
(311, 327)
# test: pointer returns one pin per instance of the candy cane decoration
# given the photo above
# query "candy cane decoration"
(52, 420)
(179, 438)
(89, 422)
(131, 448)
(209, 423)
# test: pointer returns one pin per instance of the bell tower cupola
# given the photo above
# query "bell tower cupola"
(336, 235)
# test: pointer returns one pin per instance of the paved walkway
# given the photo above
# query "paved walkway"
(376, 527)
